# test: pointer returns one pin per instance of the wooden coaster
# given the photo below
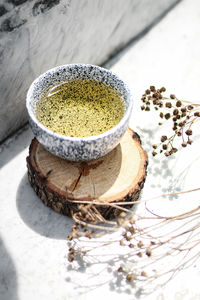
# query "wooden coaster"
(117, 177)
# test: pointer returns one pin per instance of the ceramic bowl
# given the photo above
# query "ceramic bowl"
(77, 148)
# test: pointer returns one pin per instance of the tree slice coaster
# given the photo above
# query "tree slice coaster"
(63, 185)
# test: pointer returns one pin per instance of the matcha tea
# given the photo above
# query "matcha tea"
(80, 108)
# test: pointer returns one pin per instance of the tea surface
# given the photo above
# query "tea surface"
(80, 108)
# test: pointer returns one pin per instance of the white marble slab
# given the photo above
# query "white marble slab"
(33, 248)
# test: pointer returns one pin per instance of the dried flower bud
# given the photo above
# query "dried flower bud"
(174, 150)
(161, 115)
(142, 107)
(163, 138)
(184, 144)
(183, 109)
(181, 124)
(140, 244)
(70, 257)
(155, 95)
(130, 277)
(168, 104)
(175, 112)
(172, 96)
(197, 114)
(147, 92)
(189, 132)
(179, 133)
(163, 89)
(120, 270)
(71, 250)
(190, 107)
(178, 103)
(167, 116)
(154, 153)
(154, 146)
(88, 234)
(148, 251)
(70, 237)
(152, 88)
(164, 146)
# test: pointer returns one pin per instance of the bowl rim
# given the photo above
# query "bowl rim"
(59, 136)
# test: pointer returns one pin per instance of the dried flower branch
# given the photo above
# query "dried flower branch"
(150, 248)
(180, 113)
(145, 249)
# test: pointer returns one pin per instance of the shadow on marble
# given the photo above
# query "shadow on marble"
(160, 167)
(8, 275)
(39, 217)
(15, 144)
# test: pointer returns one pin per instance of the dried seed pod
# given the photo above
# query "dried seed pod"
(147, 92)
(130, 277)
(189, 132)
(148, 251)
(152, 88)
(140, 244)
(164, 146)
(70, 237)
(144, 274)
(184, 144)
(161, 115)
(163, 138)
(70, 257)
(163, 89)
(120, 269)
(175, 112)
(190, 107)
(183, 109)
(178, 103)
(168, 104)
(154, 153)
(167, 116)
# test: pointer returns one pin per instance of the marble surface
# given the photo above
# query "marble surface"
(33, 244)
(40, 34)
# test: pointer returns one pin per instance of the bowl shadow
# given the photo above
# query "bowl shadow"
(39, 217)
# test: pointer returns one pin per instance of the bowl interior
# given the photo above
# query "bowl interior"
(67, 72)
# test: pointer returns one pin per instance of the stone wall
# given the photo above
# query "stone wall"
(36, 35)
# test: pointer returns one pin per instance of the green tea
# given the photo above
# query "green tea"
(80, 108)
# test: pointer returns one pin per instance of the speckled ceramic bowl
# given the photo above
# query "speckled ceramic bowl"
(77, 148)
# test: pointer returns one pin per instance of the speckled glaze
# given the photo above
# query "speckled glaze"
(77, 148)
